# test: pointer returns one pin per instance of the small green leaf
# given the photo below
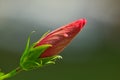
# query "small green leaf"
(26, 49)
(49, 60)
(35, 53)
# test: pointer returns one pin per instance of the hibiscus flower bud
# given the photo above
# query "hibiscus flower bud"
(46, 50)
(60, 38)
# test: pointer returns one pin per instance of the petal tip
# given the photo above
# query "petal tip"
(83, 21)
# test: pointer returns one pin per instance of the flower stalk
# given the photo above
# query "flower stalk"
(11, 74)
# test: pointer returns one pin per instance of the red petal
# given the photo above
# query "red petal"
(61, 37)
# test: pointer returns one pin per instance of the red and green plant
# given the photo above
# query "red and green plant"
(46, 50)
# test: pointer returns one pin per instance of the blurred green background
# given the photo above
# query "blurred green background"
(93, 55)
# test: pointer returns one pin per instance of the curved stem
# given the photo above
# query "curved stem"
(10, 74)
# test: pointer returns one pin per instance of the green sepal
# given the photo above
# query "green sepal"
(25, 52)
(34, 53)
(49, 60)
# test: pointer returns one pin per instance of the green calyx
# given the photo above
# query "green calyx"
(31, 56)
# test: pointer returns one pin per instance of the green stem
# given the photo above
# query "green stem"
(10, 74)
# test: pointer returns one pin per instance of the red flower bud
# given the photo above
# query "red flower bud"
(60, 38)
